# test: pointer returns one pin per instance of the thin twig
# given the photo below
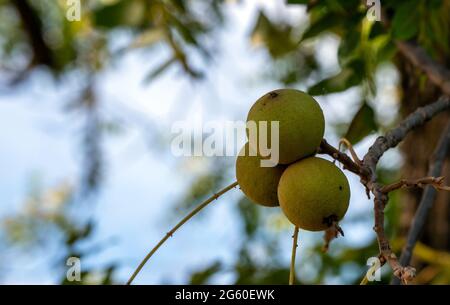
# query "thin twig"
(365, 280)
(349, 146)
(371, 270)
(294, 251)
(184, 220)
(436, 182)
(428, 197)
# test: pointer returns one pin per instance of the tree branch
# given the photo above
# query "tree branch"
(367, 173)
(436, 182)
(370, 161)
(396, 135)
(349, 146)
(32, 25)
(428, 197)
(343, 158)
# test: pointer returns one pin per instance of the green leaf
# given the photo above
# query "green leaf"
(201, 277)
(180, 5)
(326, 22)
(405, 24)
(275, 37)
(376, 30)
(122, 13)
(349, 76)
(336, 6)
(434, 4)
(363, 124)
(186, 31)
(159, 70)
(437, 29)
(384, 48)
(349, 46)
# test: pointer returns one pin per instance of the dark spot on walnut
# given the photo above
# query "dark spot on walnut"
(273, 94)
(329, 220)
(340, 187)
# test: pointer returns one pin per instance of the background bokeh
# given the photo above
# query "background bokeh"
(87, 107)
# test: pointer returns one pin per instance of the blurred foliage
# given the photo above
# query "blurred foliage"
(211, 177)
(36, 35)
(39, 32)
(437, 270)
(47, 217)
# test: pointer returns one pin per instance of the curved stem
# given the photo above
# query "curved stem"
(364, 281)
(371, 270)
(294, 251)
(178, 225)
(349, 146)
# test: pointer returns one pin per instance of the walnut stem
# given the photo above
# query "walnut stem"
(294, 251)
(177, 226)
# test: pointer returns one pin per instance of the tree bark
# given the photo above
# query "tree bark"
(417, 149)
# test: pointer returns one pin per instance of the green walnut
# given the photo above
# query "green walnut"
(258, 183)
(313, 193)
(301, 122)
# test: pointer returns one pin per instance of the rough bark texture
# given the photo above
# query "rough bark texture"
(417, 149)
